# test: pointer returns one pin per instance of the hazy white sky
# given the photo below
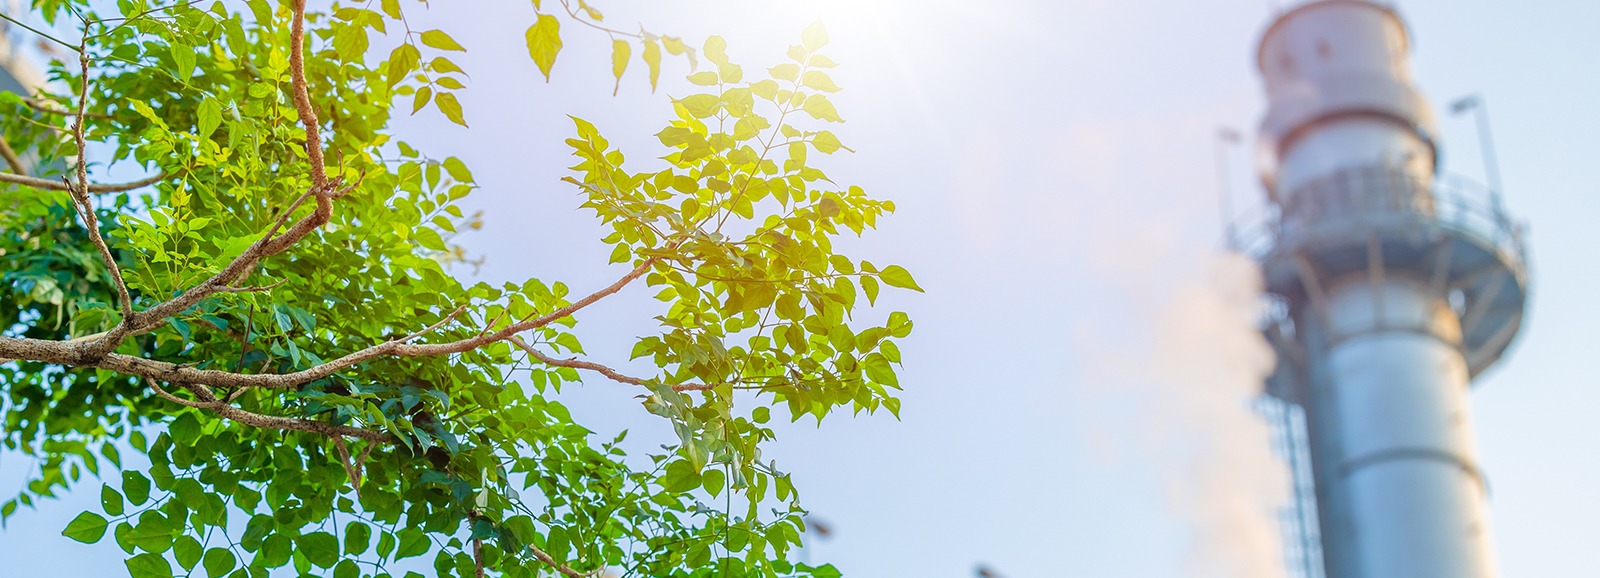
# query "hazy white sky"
(1054, 169)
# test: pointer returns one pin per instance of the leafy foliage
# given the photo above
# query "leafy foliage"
(347, 403)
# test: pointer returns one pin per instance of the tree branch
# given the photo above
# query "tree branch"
(49, 185)
(12, 159)
(81, 200)
(209, 402)
(40, 106)
(564, 569)
(322, 189)
(77, 354)
(302, 96)
(613, 374)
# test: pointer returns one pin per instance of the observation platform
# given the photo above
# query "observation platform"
(1377, 221)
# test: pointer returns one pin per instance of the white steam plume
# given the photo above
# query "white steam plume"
(1194, 363)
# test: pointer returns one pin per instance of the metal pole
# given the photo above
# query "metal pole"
(1491, 163)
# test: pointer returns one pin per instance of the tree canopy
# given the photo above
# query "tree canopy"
(271, 319)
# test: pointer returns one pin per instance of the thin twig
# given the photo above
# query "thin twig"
(613, 374)
(63, 43)
(50, 185)
(40, 106)
(252, 289)
(564, 569)
(12, 159)
(175, 399)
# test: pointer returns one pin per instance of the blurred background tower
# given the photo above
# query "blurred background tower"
(1396, 287)
(17, 72)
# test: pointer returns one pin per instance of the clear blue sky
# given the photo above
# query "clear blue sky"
(1054, 169)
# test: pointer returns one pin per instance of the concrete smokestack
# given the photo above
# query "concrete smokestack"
(1400, 287)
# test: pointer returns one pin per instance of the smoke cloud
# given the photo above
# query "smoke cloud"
(1187, 372)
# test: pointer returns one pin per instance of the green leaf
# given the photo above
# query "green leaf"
(347, 569)
(440, 40)
(412, 543)
(88, 528)
(186, 550)
(153, 532)
(148, 566)
(680, 476)
(136, 487)
(185, 429)
(897, 276)
(183, 61)
(878, 368)
(544, 43)
(321, 548)
(219, 561)
(621, 52)
(713, 480)
(110, 500)
(451, 108)
(357, 538)
(209, 116)
(428, 238)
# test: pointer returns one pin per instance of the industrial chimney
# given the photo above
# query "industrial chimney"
(1397, 286)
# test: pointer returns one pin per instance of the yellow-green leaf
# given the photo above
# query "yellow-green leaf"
(652, 61)
(897, 276)
(208, 116)
(621, 52)
(785, 71)
(819, 108)
(706, 78)
(442, 64)
(402, 61)
(440, 40)
(424, 94)
(716, 50)
(815, 36)
(826, 142)
(183, 59)
(818, 80)
(700, 105)
(450, 107)
(544, 43)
